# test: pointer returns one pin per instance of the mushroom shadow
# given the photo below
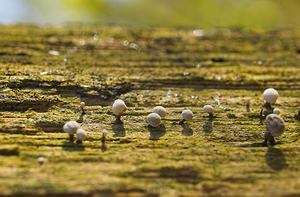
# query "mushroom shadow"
(208, 126)
(70, 146)
(275, 159)
(253, 144)
(156, 132)
(186, 130)
(118, 129)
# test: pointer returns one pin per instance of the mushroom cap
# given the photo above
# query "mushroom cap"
(208, 109)
(41, 160)
(82, 104)
(81, 134)
(187, 114)
(71, 127)
(119, 107)
(270, 95)
(104, 132)
(153, 119)
(160, 110)
(276, 111)
(274, 124)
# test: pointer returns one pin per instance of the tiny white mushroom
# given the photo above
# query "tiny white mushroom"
(274, 128)
(81, 134)
(274, 125)
(104, 132)
(270, 95)
(187, 115)
(119, 107)
(71, 128)
(153, 119)
(82, 105)
(276, 111)
(160, 110)
(41, 160)
(208, 109)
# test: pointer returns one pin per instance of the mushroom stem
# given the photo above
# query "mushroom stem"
(210, 115)
(103, 139)
(248, 105)
(267, 106)
(103, 146)
(82, 110)
(269, 139)
(261, 113)
(80, 119)
(182, 121)
(79, 141)
(71, 137)
(82, 105)
(272, 140)
(268, 110)
(118, 119)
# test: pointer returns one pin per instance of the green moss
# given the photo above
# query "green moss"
(168, 67)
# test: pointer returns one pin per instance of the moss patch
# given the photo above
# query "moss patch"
(45, 73)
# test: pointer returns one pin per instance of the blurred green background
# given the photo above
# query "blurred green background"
(200, 13)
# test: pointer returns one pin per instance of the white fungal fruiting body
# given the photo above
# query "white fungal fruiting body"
(208, 109)
(119, 107)
(187, 114)
(71, 127)
(104, 132)
(41, 160)
(153, 119)
(82, 104)
(274, 125)
(160, 110)
(276, 111)
(270, 95)
(81, 134)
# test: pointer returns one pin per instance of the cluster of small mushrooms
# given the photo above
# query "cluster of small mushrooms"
(72, 127)
(273, 121)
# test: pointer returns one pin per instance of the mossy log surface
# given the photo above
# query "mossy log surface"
(45, 73)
